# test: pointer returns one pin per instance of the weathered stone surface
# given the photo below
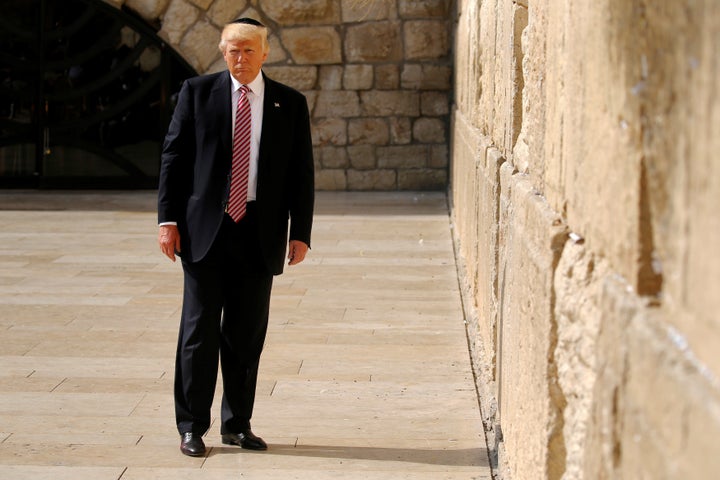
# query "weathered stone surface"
(424, 8)
(204, 4)
(425, 77)
(374, 131)
(390, 103)
(578, 285)
(300, 78)
(330, 77)
(358, 77)
(367, 10)
(439, 156)
(373, 42)
(179, 16)
(422, 179)
(327, 179)
(332, 157)
(425, 39)
(387, 77)
(150, 10)
(329, 131)
(337, 104)
(298, 12)
(429, 130)
(224, 11)
(411, 156)
(362, 157)
(400, 130)
(434, 103)
(371, 179)
(200, 45)
(277, 52)
(533, 237)
(600, 108)
(319, 45)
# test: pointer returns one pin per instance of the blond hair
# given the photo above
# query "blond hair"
(242, 30)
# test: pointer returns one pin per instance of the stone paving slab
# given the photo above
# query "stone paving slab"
(365, 375)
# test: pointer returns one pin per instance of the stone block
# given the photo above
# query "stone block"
(434, 103)
(371, 180)
(439, 156)
(533, 236)
(217, 66)
(668, 406)
(329, 131)
(387, 77)
(299, 12)
(400, 130)
(373, 42)
(150, 10)
(312, 45)
(390, 103)
(200, 45)
(578, 284)
(223, 11)
(368, 130)
(410, 156)
(425, 77)
(330, 77)
(277, 53)
(204, 4)
(425, 39)
(332, 157)
(422, 179)
(331, 103)
(355, 11)
(429, 130)
(358, 77)
(362, 157)
(178, 18)
(298, 77)
(424, 8)
(330, 180)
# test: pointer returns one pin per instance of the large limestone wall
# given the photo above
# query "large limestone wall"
(584, 183)
(377, 75)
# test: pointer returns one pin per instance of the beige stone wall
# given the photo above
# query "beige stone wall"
(584, 183)
(377, 75)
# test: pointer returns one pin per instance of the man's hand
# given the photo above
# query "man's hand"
(296, 252)
(169, 240)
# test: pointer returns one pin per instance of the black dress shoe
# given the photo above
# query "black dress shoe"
(192, 444)
(246, 440)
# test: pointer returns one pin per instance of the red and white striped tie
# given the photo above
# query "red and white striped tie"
(240, 159)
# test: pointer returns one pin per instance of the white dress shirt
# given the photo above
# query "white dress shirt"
(255, 96)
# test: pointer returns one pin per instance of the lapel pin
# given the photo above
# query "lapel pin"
(277, 105)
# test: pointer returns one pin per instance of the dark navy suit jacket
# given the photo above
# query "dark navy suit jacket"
(196, 160)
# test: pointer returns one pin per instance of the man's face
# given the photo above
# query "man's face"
(244, 58)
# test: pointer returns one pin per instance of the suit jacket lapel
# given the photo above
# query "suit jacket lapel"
(221, 99)
(270, 109)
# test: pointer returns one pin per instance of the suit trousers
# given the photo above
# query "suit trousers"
(226, 304)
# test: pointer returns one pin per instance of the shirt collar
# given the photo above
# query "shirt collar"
(257, 86)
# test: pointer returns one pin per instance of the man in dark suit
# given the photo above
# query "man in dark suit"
(237, 167)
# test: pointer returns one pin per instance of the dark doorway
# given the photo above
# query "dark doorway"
(86, 94)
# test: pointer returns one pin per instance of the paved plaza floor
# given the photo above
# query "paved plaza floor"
(365, 374)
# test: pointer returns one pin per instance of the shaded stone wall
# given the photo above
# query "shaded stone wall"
(377, 75)
(584, 188)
